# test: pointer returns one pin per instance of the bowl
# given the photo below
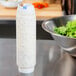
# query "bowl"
(10, 4)
(66, 43)
(1, 0)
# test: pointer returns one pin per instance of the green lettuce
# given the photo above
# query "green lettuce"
(68, 30)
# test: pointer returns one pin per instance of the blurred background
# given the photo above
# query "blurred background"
(8, 10)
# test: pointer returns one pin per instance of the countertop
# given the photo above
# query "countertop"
(51, 61)
(54, 10)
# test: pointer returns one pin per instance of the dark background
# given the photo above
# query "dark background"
(8, 29)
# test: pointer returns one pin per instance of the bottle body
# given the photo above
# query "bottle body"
(26, 38)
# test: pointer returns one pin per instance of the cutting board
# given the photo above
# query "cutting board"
(54, 10)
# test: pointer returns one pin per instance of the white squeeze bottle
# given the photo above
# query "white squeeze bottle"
(26, 38)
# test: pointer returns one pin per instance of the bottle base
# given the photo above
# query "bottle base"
(26, 70)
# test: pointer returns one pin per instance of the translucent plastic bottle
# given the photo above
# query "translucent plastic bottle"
(26, 38)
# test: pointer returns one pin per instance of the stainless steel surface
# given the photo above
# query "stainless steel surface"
(51, 61)
(67, 43)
